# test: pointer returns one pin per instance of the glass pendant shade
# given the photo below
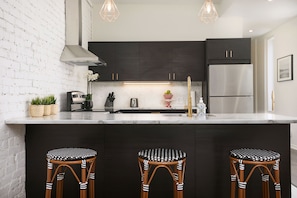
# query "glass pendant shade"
(208, 12)
(109, 11)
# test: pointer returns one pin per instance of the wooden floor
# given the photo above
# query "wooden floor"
(294, 166)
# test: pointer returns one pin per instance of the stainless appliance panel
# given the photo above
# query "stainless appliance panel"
(231, 104)
(231, 80)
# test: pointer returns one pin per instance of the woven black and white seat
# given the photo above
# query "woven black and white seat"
(258, 159)
(68, 154)
(149, 160)
(63, 158)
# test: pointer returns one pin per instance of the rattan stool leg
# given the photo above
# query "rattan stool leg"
(144, 171)
(92, 181)
(241, 183)
(277, 180)
(233, 178)
(180, 171)
(49, 184)
(145, 185)
(175, 181)
(265, 184)
(83, 183)
(60, 183)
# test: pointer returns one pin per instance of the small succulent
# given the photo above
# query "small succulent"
(36, 101)
(52, 99)
(46, 100)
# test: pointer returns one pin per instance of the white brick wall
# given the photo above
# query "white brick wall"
(32, 37)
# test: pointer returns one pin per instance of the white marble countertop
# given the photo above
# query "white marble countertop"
(139, 118)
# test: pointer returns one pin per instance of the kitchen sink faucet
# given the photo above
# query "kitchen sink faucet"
(189, 98)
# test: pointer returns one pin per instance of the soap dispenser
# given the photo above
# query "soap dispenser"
(201, 108)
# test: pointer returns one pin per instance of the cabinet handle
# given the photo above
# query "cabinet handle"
(231, 54)
(117, 76)
(169, 76)
(112, 76)
(226, 53)
(173, 76)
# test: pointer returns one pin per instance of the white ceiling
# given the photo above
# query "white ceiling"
(261, 16)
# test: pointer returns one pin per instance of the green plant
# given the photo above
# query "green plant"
(46, 100)
(89, 97)
(52, 99)
(36, 101)
(167, 92)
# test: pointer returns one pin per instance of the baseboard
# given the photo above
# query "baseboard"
(294, 146)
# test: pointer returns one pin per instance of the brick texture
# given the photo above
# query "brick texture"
(32, 37)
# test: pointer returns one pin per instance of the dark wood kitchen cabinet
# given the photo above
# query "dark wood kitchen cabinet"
(106, 52)
(228, 51)
(121, 58)
(172, 61)
(189, 60)
(150, 61)
(155, 61)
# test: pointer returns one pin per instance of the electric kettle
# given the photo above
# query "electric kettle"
(134, 102)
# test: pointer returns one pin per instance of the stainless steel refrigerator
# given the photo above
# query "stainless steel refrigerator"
(230, 88)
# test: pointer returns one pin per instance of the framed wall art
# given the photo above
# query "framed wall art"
(285, 68)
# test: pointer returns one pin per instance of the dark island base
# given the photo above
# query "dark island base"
(117, 172)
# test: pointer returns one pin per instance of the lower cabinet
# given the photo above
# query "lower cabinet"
(150, 61)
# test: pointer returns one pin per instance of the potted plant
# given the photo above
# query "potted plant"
(36, 108)
(46, 101)
(54, 106)
(88, 105)
(168, 95)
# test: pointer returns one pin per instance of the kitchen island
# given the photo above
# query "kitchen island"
(118, 138)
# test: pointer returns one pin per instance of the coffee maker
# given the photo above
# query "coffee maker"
(75, 101)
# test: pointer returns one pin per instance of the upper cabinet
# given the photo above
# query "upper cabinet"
(228, 51)
(121, 59)
(150, 61)
(172, 61)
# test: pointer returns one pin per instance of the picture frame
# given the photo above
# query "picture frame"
(285, 68)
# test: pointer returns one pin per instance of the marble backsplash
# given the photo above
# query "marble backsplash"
(149, 95)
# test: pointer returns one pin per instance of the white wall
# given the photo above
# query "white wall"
(285, 92)
(138, 22)
(32, 35)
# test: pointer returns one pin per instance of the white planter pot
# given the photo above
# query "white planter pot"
(54, 109)
(47, 110)
(36, 110)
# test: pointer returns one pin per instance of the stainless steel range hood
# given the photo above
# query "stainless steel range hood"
(73, 51)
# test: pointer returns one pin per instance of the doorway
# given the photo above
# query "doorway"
(270, 102)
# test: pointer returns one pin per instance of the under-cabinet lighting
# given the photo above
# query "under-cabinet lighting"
(145, 83)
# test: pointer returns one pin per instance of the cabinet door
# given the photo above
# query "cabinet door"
(155, 61)
(127, 60)
(228, 50)
(106, 51)
(189, 60)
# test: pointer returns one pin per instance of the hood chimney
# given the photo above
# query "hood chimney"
(73, 51)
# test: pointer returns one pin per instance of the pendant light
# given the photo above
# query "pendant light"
(109, 11)
(208, 12)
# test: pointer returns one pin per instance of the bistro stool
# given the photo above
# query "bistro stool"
(174, 161)
(58, 160)
(263, 160)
